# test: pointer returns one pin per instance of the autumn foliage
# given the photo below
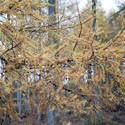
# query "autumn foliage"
(80, 71)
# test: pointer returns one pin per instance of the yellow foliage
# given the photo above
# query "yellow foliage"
(37, 65)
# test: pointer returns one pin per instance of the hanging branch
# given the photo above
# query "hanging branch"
(80, 23)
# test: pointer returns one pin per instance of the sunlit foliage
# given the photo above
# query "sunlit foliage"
(42, 67)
